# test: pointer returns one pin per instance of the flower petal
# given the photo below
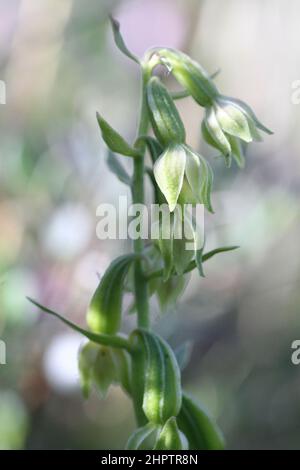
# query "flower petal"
(233, 121)
(214, 135)
(169, 172)
(246, 109)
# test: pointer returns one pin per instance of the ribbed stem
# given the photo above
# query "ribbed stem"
(140, 283)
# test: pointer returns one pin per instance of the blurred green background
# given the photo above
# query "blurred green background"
(60, 65)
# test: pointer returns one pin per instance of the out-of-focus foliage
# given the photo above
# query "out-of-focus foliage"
(60, 66)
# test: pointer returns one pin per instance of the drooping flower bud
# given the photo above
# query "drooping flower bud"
(166, 122)
(190, 75)
(183, 175)
(228, 122)
(102, 366)
(162, 386)
(105, 309)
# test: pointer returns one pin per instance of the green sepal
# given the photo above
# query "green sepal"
(200, 177)
(103, 366)
(184, 234)
(169, 173)
(162, 387)
(214, 135)
(246, 109)
(201, 431)
(233, 121)
(170, 437)
(166, 122)
(237, 151)
(165, 244)
(104, 311)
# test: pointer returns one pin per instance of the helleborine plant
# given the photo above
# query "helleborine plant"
(143, 363)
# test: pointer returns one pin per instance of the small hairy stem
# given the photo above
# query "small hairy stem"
(140, 284)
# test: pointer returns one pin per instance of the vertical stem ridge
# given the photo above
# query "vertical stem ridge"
(140, 283)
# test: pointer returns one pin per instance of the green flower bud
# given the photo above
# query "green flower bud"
(166, 122)
(169, 172)
(169, 291)
(103, 366)
(183, 175)
(162, 388)
(171, 438)
(228, 122)
(104, 312)
(190, 75)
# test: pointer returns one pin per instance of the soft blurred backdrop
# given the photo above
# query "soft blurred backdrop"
(60, 65)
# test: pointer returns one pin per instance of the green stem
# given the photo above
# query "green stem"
(140, 284)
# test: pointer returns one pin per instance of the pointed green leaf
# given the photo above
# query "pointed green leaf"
(115, 341)
(120, 41)
(201, 431)
(114, 141)
(214, 252)
(198, 259)
(169, 172)
(118, 169)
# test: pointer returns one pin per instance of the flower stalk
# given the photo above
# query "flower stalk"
(144, 364)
